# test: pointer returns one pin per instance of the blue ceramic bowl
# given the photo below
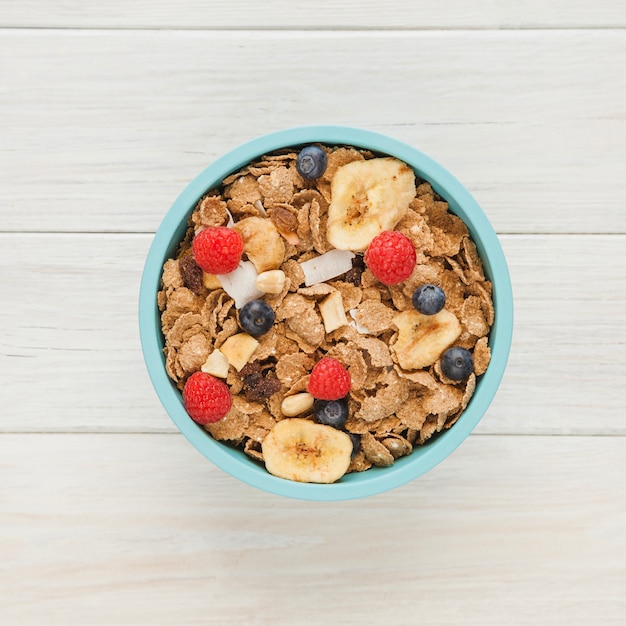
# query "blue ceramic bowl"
(374, 480)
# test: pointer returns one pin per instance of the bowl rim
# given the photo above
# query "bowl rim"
(374, 480)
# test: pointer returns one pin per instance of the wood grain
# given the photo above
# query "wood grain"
(71, 324)
(102, 129)
(120, 529)
(323, 14)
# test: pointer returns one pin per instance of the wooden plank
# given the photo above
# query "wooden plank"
(73, 328)
(324, 14)
(70, 325)
(567, 365)
(101, 130)
(112, 529)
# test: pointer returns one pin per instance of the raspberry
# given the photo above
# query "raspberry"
(206, 399)
(329, 380)
(218, 250)
(390, 257)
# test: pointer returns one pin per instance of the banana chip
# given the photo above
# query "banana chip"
(368, 197)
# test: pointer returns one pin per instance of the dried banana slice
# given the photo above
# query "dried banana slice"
(368, 197)
(262, 243)
(301, 450)
(423, 338)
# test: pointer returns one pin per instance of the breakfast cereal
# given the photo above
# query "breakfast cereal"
(399, 395)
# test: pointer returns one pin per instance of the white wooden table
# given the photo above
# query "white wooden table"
(107, 110)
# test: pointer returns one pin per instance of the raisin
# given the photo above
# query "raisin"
(256, 386)
(191, 273)
(284, 219)
(354, 275)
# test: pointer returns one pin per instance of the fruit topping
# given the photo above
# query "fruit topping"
(240, 284)
(206, 399)
(301, 450)
(262, 243)
(216, 364)
(326, 266)
(311, 162)
(256, 317)
(457, 363)
(257, 386)
(333, 314)
(192, 273)
(390, 257)
(429, 299)
(354, 275)
(423, 338)
(218, 250)
(284, 220)
(356, 443)
(329, 380)
(331, 412)
(238, 349)
(286, 224)
(211, 281)
(368, 197)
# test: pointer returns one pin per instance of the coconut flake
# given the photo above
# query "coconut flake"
(240, 284)
(258, 205)
(358, 327)
(327, 266)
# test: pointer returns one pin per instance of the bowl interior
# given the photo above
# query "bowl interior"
(374, 480)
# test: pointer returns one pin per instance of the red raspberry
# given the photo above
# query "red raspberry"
(206, 399)
(329, 380)
(218, 250)
(391, 257)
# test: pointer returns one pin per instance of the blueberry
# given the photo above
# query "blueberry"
(356, 444)
(429, 299)
(311, 162)
(457, 363)
(331, 412)
(256, 317)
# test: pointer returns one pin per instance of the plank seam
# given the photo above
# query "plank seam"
(343, 29)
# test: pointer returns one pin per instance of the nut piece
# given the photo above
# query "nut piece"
(216, 364)
(271, 281)
(238, 349)
(211, 281)
(297, 404)
(332, 312)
